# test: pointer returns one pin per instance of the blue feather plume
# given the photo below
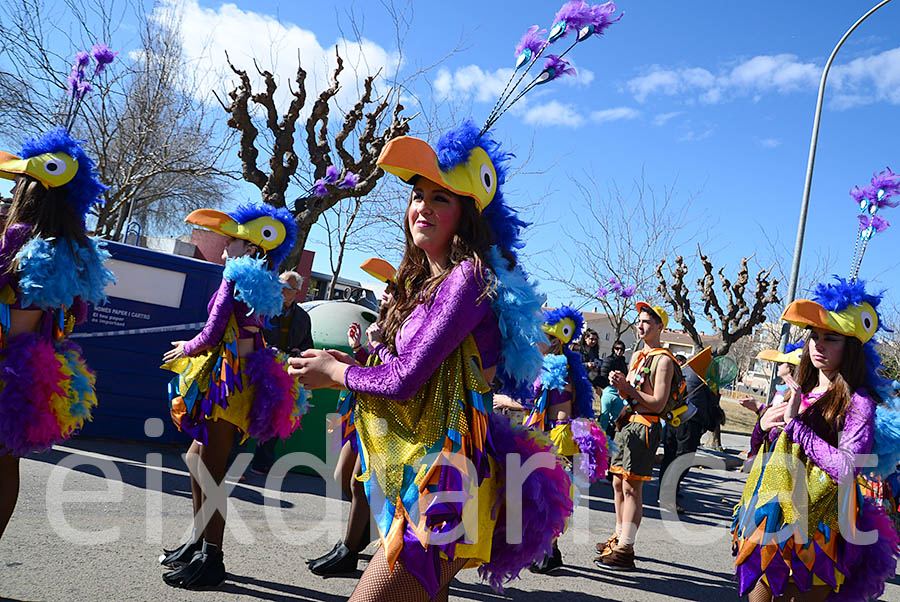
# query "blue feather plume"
(842, 293)
(794, 346)
(454, 148)
(250, 211)
(584, 391)
(552, 316)
(554, 372)
(53, 272)
(517, 306)
(255, 285)
(85, 188)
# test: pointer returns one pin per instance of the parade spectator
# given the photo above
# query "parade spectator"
(589, 348)
(610, 402)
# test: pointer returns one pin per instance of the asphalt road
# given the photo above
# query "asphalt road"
(78, 536)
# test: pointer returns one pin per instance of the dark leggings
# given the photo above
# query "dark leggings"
(9, 488)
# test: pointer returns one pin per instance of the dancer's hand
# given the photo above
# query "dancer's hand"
(344, 358)
(373, 333)
(177, 351)
(317, 369)
(773, 417)
(751, 404)
(793, 404)
(354, 334)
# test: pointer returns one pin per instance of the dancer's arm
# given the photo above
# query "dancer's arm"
(222, 306)
(452, 315)
(856, 438)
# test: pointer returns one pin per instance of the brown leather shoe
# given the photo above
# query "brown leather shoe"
(618, 558)
(604, 547)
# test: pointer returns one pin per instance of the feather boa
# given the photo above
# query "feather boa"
(584, 391)
(255, 285)
(594, 457)
(887, 436)
(279, 401)
(47, 393)
(869, 566)
(54, 272)
(518, 309)
(544, 518)
(554, 372)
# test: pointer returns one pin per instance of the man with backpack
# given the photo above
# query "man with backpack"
(653, 386)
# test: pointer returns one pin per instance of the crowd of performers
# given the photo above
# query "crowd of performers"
(460, 332)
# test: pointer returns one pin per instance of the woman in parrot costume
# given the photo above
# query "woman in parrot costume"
(464, 314)
(563, 406)
(50, 270)
(228, 382)
(815, 549)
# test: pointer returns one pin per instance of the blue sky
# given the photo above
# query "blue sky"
(716, 98)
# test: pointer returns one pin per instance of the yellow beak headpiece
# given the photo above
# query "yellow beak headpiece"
(860, 321)
(407, 157)
(378, 269)
(265, 232)
(773, 355)
(562, 330)
(50, 169)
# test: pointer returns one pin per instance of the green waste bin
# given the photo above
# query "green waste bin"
(330, 320)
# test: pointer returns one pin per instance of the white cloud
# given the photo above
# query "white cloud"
(663, 118)
(616, 114)
(553, 113)
(864, 80)
(471, 82)
(694, 136)
(207, 33)
(768, 142)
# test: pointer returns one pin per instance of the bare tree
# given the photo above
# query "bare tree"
(618, 236)
(320, 147)
(733, 322)
(146, 124)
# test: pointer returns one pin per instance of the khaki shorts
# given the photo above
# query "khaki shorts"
(635, 453)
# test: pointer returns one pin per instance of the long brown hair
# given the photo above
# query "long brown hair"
(850, 377)
(416, 285)
(46, 210)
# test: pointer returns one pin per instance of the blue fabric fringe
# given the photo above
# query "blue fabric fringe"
(584, 391)
(255, 285)
(54, 272)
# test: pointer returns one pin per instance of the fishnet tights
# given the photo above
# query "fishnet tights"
(817, 593)
(379, 584)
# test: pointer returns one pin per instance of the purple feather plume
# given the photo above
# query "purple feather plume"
(628, 291)
(331, 174)
(890, 183)
(543, 517)
(602, 17)
(602, 292)
(557, 67)
(350, 180)
(103, 56)
(82, 60)
(876, 221)
(531, 40)
(319, 188)
(576, 15)
(868, 567)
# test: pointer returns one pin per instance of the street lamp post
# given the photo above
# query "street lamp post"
(804, 206)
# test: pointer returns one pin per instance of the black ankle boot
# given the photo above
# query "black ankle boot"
(181, 555)
(311, 562)
(206, 569)
(343, 561)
